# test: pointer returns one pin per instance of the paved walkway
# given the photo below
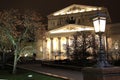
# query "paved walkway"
(71, 74)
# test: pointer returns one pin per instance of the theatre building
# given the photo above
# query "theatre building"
(63, 24)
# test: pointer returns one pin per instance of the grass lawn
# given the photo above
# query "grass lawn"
(23, 75)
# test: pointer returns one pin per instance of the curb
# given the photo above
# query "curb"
(48, 74)
(63, 66)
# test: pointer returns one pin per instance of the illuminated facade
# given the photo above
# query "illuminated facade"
(114, 41)
(63, 24)
(57, 40)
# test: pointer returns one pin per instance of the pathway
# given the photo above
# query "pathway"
(71, 74)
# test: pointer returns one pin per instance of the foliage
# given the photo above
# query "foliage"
(19, 27)
(114, 53)
(83, 45)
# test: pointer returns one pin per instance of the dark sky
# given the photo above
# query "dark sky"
(49, 6)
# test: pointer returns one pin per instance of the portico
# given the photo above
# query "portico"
(58, 39)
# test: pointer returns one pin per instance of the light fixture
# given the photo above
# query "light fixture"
(99, 23)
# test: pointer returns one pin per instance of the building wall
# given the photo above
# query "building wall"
(54, 43)
(115, 33)
(84, 18)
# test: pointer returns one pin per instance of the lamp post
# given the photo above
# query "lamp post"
(102, 70)
(99, 23)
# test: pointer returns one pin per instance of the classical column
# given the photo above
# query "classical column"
(59, 44)
(67, 47)
(67, 40)
(51, 56)
(44, 49)
(59, 47)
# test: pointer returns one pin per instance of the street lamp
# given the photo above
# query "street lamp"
(102, 70)
(99, 23)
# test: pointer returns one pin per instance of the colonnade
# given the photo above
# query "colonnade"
(55, 47)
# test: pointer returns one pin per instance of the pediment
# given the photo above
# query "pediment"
(71, 28)
(75, 9)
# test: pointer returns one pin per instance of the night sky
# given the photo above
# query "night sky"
(47, 7)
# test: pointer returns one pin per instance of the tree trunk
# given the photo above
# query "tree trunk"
(3, 60)
(15, 63)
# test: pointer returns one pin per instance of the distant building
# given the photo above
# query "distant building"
(63, 24)
(114, 34)
(115, 31)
